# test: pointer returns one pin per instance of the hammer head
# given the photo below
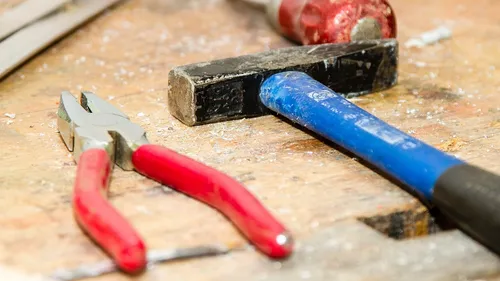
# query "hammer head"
(228, 89)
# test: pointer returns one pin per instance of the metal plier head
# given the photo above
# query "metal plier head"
(95, 123)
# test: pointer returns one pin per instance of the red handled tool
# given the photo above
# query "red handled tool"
(331, 21)
(99, 135)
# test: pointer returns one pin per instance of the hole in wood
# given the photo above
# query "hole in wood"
(410, 222)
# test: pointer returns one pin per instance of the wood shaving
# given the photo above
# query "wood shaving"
(451, 145)
(429, 37)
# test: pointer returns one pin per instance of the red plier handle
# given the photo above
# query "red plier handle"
(102, 222)
(117, 236)
(218, 190)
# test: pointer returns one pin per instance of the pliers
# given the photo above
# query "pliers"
(99, 135)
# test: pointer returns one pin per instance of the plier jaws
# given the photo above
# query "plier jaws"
(94, 123)
(99, 135)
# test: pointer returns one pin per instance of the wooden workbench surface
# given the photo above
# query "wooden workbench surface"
(448, 95)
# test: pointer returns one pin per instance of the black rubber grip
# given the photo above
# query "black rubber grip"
(470, 196)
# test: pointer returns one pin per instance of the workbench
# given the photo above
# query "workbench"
(349, 221)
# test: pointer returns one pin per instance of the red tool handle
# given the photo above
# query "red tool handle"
(99, 219)
(217, 190)
(325, 21)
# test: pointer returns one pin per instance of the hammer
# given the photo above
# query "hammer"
(310, 85)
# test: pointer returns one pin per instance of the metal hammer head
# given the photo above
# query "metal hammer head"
(228, 89)
(94, 123)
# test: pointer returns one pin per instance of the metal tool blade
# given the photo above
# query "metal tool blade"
(154, 257)
(93, 103)
(26, 13)
(27, 42)
(69, 116)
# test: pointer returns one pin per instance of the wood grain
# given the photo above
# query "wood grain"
(447, 96)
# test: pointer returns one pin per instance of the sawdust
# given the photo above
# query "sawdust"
(451, 145)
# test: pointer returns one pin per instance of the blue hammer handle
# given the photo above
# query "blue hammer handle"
(469, 195)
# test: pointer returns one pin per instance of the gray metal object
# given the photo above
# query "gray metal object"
(228, 89)
(94, 123)
(25, 13)
(366, 29)
(154, 257)
(28, 41)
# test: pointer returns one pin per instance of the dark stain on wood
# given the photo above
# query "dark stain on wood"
(51, 115)
(430, 91)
